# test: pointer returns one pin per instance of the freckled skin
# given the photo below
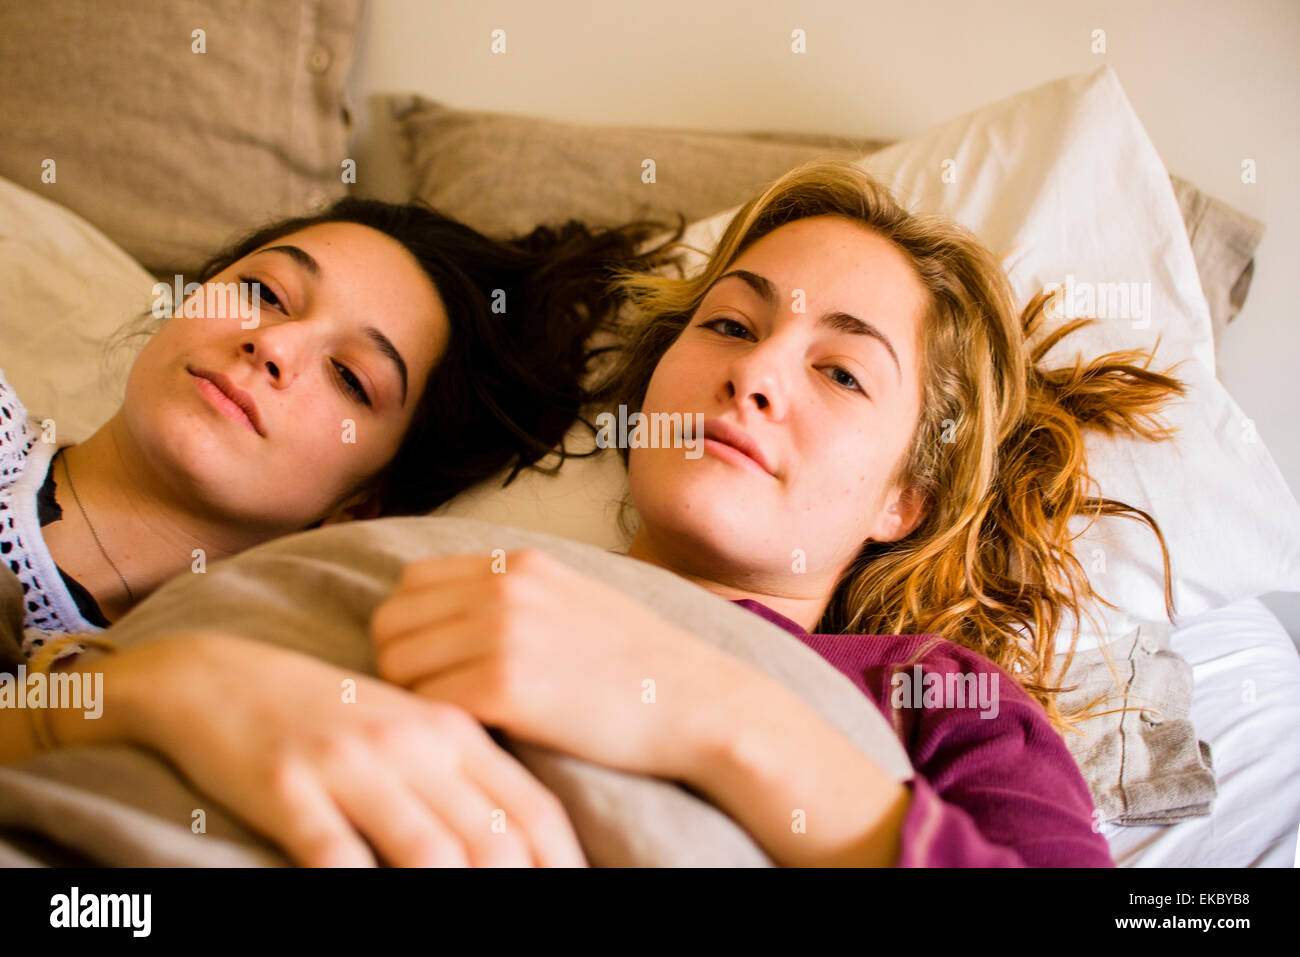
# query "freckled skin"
(833, 448)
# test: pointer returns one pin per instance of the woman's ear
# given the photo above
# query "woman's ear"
(904, 513)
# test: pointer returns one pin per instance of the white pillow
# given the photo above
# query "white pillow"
(66, 288)
(1065, 173)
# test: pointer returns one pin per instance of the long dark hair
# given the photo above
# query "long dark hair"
(509, 384)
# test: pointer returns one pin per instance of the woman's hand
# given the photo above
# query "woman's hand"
(271, 735)
(556, 658)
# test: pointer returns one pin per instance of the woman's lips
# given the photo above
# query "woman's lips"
(732, 454)
(223, 403)
(734, 444)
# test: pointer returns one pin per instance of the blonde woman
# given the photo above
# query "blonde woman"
(889, 476)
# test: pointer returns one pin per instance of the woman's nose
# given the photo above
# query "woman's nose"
(250, 350)
(756, 380)
(273, 354)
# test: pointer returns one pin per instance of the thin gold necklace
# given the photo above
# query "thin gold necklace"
(67, 473)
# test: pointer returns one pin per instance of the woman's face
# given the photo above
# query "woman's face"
(348, 330)
(807, 348)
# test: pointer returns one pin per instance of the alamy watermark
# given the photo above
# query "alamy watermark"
(1100, 300)
(219, 300)
(651, 430)
(955, 689)
(62, 689)
(132, 911)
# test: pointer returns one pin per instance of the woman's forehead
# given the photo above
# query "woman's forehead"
(831, 263)
(371, 279)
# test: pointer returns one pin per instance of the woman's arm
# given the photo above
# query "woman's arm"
(999, 792)
(986, 793)
(323, 762)
(805, 792)
(72, 727)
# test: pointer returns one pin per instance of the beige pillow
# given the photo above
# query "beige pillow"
(67, 289)
(314, 592)
(173, 152)
(505, 174)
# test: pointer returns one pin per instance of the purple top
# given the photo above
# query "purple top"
(995, 791)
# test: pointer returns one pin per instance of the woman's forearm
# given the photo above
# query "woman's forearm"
(803, 790)
(107, 701)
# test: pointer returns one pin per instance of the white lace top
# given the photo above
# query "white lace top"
(24, 463)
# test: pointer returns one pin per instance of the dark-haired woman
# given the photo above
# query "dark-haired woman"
(395, 358)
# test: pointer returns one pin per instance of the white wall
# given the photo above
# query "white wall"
(1213, 82)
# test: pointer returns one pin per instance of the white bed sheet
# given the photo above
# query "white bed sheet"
(1255, 747)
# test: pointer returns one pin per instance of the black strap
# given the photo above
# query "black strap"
(48, 510)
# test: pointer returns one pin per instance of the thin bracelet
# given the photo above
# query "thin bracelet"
(40, 663)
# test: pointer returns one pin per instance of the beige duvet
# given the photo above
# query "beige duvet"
(314, 592)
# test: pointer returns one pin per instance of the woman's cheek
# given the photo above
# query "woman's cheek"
(677, 380)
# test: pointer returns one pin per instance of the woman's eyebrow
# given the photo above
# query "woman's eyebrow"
(843, 322)
(385, 345)
(760, 284)
(839, 321)
(303, 258)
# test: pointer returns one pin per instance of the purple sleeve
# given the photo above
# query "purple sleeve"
(999, 792)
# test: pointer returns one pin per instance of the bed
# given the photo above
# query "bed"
(79, 255)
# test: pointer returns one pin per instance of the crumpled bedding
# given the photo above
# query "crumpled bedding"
(314, 592)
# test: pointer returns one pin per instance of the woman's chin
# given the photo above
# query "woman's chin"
(716, 532)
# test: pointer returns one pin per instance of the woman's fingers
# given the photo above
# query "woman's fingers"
(443, 569)
(443, 590)
(383, 807)
(435, 760)
(490, 838)
(508, 818)
(406, 789)
(433, 651)
(395, 777)
(301, 816)
(528, 806)
(408, 611)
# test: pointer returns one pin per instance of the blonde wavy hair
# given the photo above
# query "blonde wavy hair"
(998, 451)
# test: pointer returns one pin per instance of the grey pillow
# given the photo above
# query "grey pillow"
(505, 174)
(172, 152)
(314, 592)
(1223, 242)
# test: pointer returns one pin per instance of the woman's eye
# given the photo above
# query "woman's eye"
(264, 291)
(842, 377)
(728, 328)
(351, 384)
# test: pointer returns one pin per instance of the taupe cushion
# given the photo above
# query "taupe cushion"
(504, 174)
(1223, 241)
(171, 152)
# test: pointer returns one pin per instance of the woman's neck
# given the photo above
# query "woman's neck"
(122, 532)
(804, 605)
